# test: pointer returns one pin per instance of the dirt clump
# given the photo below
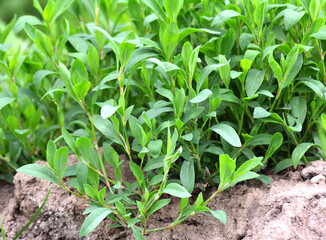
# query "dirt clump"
(291, 207)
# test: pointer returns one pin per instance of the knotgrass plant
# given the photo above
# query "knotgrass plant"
(191, 91)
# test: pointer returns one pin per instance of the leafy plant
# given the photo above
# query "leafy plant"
(191, 91)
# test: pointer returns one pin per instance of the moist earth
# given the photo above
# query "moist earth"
(293, 206)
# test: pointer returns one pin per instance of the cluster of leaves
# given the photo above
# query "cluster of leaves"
(192, 91)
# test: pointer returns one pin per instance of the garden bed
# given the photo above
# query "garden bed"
(293, 206)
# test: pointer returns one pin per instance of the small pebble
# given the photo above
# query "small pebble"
(318, 179)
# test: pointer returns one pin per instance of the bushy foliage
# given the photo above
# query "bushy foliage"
(192, 91)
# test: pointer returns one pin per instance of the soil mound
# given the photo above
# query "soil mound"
(293, 206)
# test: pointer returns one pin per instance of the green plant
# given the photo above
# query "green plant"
(183, 88)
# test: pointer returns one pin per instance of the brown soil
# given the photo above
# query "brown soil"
(291, 207)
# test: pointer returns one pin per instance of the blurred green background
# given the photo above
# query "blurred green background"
(8, 8)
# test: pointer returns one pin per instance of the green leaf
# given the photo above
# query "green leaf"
(60, 159)
(285, 164)
(4, 34)
(315, 8)
(299, 152)
(50, 151)
(5, 101)
(137, 234)
(260, 112)
(93, 220)
(39, 171)
(259, 14)
(107, 129)
(321, 34)
(187, 175)
(85, 147)
(138, 172)
(277, 70)
(176, 190)
(247, 166)
(48, 11)
(69, 140)
(299, 108)
(179, 101)
(60, 7)
(108, 110)
(225, 71)
(39, 75)
(43, 43)
(169, 36)
(253, 81)
(158, 205)
(228, 134)
(244, 177)
(220, 215)
(81, 89)
(275, 143)
(125, 51)
(78, 72)
(291, 18)
(292, 73)
(173, 8)
(93, 60)
(227, 168)
(136, 129)
(224, 16)
(156, 7)
(202, 96)
(155, 148)
(205, 72)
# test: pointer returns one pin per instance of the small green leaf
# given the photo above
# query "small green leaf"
(176, 190)
(93, 220)
(108, 110)
(285, 164)
(93, 60)
(125, 51)
(155, 148)
(138, 172)
(225, 71)
(169, 35)
(205, 72)
(60, 7)
(228, 133)
(43, 43)
(78, 72)
(224, 16)
(253, 81)
(187, 175)
(156, 7)
(202, 96)
(173, 8)
(5, 101)
(227, 168)
(81, 89)
(247, 166)
(106, 127)
(158, 205)
(276, 142)
(275, 67)
(299, 152)
(39, 171)
(137, 234)
(260, 112)
(60, 159)
(69, 140)
(220, 215)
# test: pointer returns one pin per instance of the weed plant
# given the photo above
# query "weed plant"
(191, 91)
